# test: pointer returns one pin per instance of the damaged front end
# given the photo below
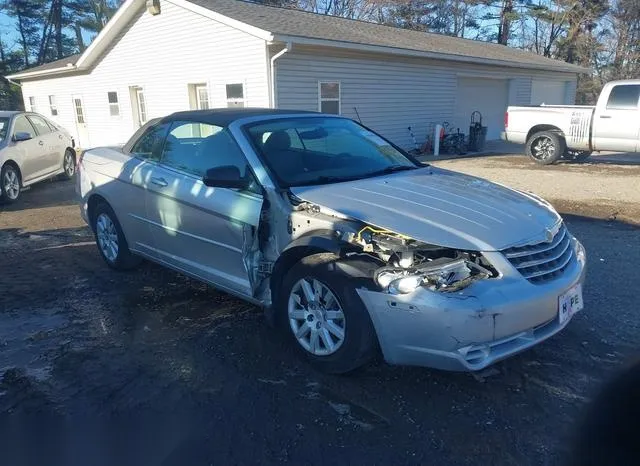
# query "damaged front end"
(409, 264)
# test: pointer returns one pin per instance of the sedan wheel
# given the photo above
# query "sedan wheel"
(69, 164)
(316, 317)
(10, 183)
(110, 239)
(107, 237)
(321, 313)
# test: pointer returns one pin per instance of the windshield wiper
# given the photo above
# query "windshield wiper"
(390, 169)
(340, 179)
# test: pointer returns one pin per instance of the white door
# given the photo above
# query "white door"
(616, 125)
(489, 97)
(81, 122)
(548, 92)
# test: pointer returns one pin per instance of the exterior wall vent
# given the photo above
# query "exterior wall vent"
(153, 7)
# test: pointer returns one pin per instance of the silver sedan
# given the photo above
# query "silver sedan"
(350, 244)
(32, 149)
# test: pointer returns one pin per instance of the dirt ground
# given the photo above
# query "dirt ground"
(151, 368)
(606, 186)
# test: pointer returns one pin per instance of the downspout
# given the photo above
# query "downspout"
(287, 48)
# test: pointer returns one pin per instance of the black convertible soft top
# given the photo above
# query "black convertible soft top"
(218, 116)
(225, 116)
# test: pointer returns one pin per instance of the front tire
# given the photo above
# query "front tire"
(546, 147)
(324, 317)
(10, 184)
(69, 165)
(110, 239)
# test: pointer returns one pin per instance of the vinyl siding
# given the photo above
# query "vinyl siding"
(162, 54)
(390, 93)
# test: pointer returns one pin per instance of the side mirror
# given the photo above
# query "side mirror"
(227, 176)
(22, 136)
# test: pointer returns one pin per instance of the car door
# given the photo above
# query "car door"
(201, 230)
(132, 191)
(52, 157)
(617, 123)
(30, 154)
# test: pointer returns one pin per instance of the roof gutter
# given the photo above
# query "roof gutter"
(35, 74)
(422, 54)
(272, 69)
(11, 81)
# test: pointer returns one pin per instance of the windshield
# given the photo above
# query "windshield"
(4, 127)
(305, 151)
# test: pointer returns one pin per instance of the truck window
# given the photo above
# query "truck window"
(624, 97)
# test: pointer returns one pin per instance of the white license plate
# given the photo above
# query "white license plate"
(569, 303)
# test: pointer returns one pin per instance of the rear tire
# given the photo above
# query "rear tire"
(334, 331)
(10, 184)
(69, 165)
(546, 147)
(110, 239)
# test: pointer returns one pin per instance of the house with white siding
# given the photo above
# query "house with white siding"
(156, 57)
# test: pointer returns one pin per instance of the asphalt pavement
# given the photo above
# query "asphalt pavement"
(152, 368)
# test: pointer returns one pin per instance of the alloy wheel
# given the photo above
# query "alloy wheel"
(107, 236)
(316, 317)
(69, 164)
(543, 148)
(11, 184)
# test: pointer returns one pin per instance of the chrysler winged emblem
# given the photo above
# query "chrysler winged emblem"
(548, 234)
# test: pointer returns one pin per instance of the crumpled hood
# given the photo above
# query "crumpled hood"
(439, 207)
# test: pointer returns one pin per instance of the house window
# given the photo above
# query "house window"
(235, 95)
(32, 104)
(52, 105)
(329, 97)
(114, 105)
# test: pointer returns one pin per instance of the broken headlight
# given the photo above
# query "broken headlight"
(442, 276)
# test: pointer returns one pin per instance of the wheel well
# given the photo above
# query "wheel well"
(14, 165)
(92, 203)
(284, 263)
(539, 128)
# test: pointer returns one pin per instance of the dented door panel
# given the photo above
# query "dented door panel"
(202, 230)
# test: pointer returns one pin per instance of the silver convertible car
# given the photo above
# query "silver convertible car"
(32, 149)
(350, 245)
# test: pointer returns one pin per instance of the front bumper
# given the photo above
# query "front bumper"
(475, 327)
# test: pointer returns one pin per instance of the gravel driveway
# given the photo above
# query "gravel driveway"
(152, 368)
(606, 186)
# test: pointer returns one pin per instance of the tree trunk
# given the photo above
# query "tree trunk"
(23, 40)
(505, 22)
(57, 21)
(78, 31)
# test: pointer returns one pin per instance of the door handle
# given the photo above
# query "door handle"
(605, 116)
(41, 143)
(159, 182)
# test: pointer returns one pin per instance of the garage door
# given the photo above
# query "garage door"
(548, 92)
(489, 97)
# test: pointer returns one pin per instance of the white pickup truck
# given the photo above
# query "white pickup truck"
(552, 132)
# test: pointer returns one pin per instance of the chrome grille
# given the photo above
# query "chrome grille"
(542, 262)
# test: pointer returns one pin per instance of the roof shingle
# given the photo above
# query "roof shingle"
(54, 64)
(292, 22)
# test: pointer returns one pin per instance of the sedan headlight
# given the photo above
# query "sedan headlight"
(446, 277)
